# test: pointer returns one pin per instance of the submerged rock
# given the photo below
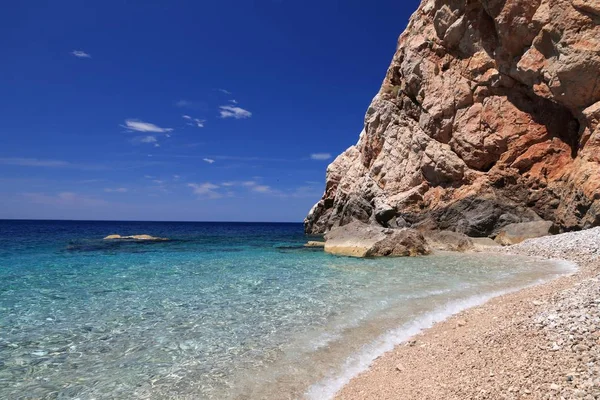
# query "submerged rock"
(516, 233)
(358, 239)
(489, 115)
(135, 237)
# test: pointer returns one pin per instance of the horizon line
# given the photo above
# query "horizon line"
(139, 220)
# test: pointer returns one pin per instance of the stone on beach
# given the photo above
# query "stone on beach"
(448, 241)
(362, 240)
(516, 233)
(314, 243)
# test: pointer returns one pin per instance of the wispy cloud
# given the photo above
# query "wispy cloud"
(199, 123)
(81, 54)
(64, 199)
(233, 101)
(189, 104)
(148, 139)
(261, 189)
(116, 190)
(253, 186)
(224, 91)
(207, 189)
(141, 126)
(234, 112)
(320, 156)
(208, 160)
(34, 162)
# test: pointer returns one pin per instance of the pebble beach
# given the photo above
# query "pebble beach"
(538, 343)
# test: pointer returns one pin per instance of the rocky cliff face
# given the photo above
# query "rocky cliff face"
(489, 115)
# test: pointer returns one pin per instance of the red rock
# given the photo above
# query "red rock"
(489, 115)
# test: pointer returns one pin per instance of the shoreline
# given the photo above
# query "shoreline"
(510, 345)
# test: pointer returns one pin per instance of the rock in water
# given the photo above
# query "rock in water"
(314, 243)
(135, 237)
(358, 239)
(112, 237)
(516, 233)
(489, 115)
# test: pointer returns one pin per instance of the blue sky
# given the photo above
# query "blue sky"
(184, 110)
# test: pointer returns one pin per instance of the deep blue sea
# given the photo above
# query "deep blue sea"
(222, 310)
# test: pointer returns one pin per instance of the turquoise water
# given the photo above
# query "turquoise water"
(220, 311)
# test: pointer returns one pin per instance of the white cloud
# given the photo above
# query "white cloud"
(183, 103)
(206, 190)
(320, 156)
(224, 91)
(249, 183)
(80, 54)
(234, 112)
(116, 190)
(141, 126)
(233, 101)
(33, 162)
(261, 189)
(199, 123)
(208, 160)
(148, 139)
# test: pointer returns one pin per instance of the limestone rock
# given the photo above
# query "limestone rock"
(516, 233)
(135, 237)
(489, 115)
(358, 239)
(448, 241)
(314, 243)
(482, 243)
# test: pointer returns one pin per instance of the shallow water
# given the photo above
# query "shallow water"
(221, 311)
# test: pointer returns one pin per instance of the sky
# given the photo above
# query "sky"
(184, 110)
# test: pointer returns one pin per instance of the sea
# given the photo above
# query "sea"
(220, 311)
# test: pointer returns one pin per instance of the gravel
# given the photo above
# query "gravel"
(539, 343)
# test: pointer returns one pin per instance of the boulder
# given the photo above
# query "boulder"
(358, 239)
(482, 243)
(448, 241)
(516, 233)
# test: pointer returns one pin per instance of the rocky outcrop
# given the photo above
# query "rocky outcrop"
(489, 115)
(357, 239)
(135, 237)
(517, 233)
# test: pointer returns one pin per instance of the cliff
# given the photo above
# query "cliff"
(489, 114)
